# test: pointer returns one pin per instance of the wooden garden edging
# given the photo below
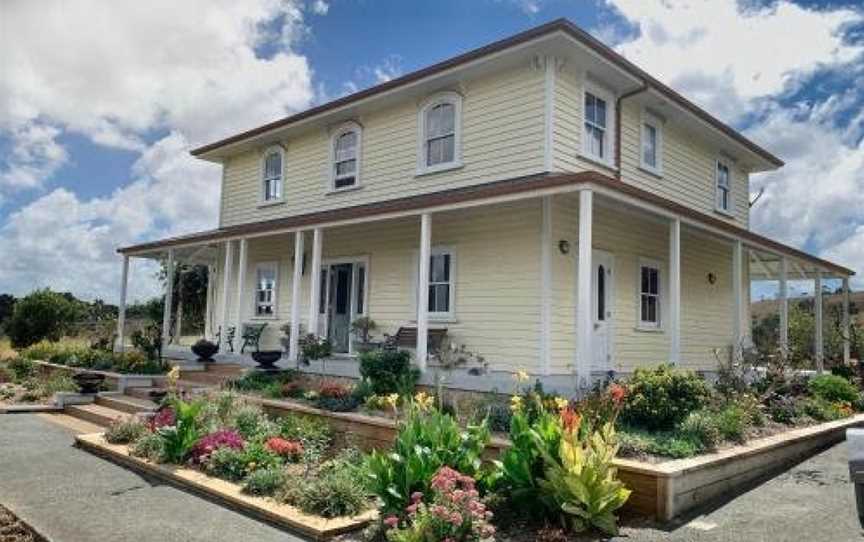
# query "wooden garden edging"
(283, 515)
(662, 490)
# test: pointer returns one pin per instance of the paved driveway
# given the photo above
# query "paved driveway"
(69, 495)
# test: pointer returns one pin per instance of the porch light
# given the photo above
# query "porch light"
(564, 246)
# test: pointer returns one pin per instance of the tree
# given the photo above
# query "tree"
(7, 305)
(42, 314)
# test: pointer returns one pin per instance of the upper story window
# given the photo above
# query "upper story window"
(271, 175)
(346, 145)
(597, 128)
(265, 289)
(723, 176)
(651, 155)
(440, 133)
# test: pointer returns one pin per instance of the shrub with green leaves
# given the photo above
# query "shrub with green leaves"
(388, 371)
(332, 494)
(226, 463)
(150, 446)
(702, 426)
(311, 432)
(732, 422)
(42, 314)
(264, 482)
(677, 445)
(833, 388)
(21, 368)
(251, 422)
(821, 409)
(124, 430)
(662, 397)
(426, 441)
(181, 437)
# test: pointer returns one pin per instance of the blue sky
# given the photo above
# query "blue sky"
(97, 113)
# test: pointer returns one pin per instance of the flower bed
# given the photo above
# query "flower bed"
(76, 354)
(24, 382)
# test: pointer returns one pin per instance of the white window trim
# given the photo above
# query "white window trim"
(731, 210)
(274, 265)
(439, 317)
(661, 295)
(444, 97)
(355, 261)
(657, 124)
(609, 139)
(345, 128)
(262, 202)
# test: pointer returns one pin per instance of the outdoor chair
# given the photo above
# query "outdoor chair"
(252, 336)
(406, 337)
(229, 338)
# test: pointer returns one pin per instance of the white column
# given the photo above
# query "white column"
(178, 320)
(737, 298)
(546, 287)
(315, 294)
(423, 290)
(585, 269)
(846, 328)
(169, 300)
(208, 307)
(784, 306)
(121, 309)
(294, 344)
(817, 307)
(226, 292)
(675, 291)
(241, 283)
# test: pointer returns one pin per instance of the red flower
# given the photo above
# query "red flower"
(284, 448)
(162, 418)
(570, 419)
(617, 392)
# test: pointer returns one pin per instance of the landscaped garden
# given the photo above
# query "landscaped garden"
(79, 354)
(22, 381)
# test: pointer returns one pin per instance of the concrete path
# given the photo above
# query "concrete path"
(812, 502)
(68, 495)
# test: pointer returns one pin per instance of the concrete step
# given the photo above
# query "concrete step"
(97, 414)
(126, 403)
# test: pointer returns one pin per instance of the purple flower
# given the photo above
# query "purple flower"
(206, 445)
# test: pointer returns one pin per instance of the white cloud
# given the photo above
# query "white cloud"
(726, 57)
(320, 7)
(34, 155)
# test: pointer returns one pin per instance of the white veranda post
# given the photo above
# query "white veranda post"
(169, 300)
(423, 290)
(315, 274)
(241, 283)
(226, 293)
(584, 350)
(846, 329)
(121, 309)
(675, 291)
(294, 343)
(817, 307)
(784, 307)
(738, 298)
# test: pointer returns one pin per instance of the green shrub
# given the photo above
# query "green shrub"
(702, 427)
(124, 431)
(150, 446)
(637, 442)
(388, 371)
(226, 463)
(313, 433)
(259, 381)
(52, 383)
(833, 388)
(426, 441)
(732, 421)
(181, 437)
(264, 482)
(845, 371)
(40, 315)
(822, 410)
(662, 397)
(251, 422)
(21, 368)
(333, 494)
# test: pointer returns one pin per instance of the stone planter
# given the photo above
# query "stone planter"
(89, 383)
(266, 359)
(205, 350)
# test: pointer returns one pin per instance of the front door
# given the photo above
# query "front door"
(339, 323)
(602, 309)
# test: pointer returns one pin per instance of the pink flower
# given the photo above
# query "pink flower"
(411, 509)
(416, 496)
(456, 518)
(391, 521)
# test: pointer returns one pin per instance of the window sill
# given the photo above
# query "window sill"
(724, 212)
(265, 204)
(264, 318)
(440, 168)
(597, 161)
(648, 329)
(334, 191)
(651, 171)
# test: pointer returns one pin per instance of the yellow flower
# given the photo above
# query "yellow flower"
(392, 400)
(423, 400)
(561, 403)
(516, 403)
(521, 376)
(173, 376)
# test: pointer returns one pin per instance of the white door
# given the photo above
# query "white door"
(602, 309)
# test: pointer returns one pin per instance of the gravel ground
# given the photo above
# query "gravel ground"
(13, 529)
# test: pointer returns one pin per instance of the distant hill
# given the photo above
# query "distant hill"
(760, 309)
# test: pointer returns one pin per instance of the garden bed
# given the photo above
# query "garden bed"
(113, 380)
(283, 515)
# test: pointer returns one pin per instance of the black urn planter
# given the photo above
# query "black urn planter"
(89, 382)
(266, 359)
(157, 396)
(205, 350)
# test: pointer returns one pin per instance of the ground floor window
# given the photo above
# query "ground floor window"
(441, 283)
(265, 289)
(649, 294)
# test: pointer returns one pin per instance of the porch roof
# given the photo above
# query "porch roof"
(487, 193)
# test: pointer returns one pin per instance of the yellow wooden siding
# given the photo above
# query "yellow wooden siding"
(502, 136)
(497, 264)
(706, 310)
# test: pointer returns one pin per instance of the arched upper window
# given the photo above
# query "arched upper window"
(272, 168)
(440, 133)
(345, 157)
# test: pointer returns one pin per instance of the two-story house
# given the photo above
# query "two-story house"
(551, 205)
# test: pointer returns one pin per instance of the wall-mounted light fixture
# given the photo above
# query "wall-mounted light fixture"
(712, 278)
(564, 246)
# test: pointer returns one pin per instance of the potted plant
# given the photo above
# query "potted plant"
(362, 329)
(313, 347)
(89, 382)
(266, 359)
(205, 350)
